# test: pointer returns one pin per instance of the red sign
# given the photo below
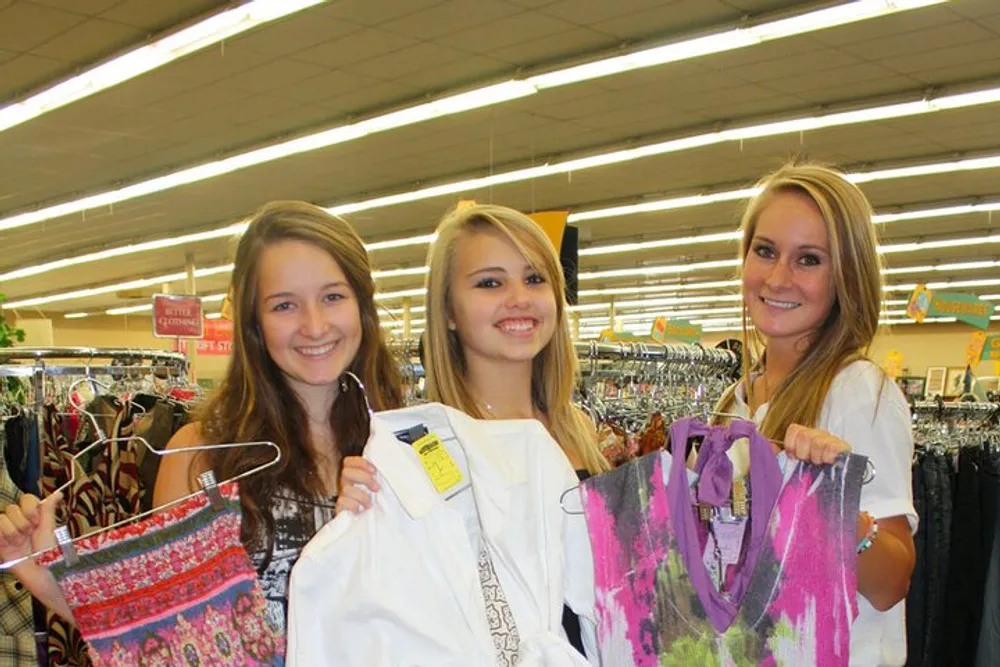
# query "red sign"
(218, 340)
(177, 316)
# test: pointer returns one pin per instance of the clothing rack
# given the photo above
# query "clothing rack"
(950, 409)
(669, 353)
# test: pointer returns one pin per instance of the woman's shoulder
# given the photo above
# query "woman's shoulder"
(189, 435)
(863, 383)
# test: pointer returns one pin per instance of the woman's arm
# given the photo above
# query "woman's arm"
(176, 477)
(885, 569)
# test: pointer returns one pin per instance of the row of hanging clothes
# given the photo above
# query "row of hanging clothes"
(633, 391)
(953, 607)
(57, 402)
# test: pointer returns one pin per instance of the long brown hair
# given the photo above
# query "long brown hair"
(848, 331)
(255, 402)
(555, 369)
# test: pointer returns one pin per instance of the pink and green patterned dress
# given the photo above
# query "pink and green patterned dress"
(787, 599)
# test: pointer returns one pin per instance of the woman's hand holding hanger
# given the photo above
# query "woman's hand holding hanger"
(26, 527)
(813, 445)
(356, 486)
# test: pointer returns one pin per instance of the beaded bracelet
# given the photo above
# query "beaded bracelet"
(868, 540)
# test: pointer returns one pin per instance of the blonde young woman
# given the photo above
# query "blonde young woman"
(497, 340)
(812, 294)
(304, 313)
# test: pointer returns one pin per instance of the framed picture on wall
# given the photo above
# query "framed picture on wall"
(934, 386)
(954, 382)
(913, 387)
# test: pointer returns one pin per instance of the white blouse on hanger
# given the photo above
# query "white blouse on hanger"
(398, 585)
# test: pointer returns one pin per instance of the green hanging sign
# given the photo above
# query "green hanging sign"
(991, 349)
(967, 308)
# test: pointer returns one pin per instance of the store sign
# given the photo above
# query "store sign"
(991, 348)
(218, 340)
(612, 336)
(676, 330)
(553, 223)
(966, 308)
(177, 316)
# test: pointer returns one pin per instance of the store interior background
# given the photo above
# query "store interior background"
(343, 61)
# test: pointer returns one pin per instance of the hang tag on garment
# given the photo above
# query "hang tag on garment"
(729, 538)
(741, 506)
(710, 557)
(439, 464)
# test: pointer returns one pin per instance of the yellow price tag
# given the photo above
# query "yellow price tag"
(438, 463)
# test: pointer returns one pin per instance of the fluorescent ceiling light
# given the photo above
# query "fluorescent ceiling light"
(76, 316)
(670, 301)
(149, 57)
(658, 289)
(400, 312)
(730, 40)
(737, 134)
(399, 294)
(474, 99)
(111, 253)
(621, 248)
(676, 314)
(399, 273)
(943, 268)
(659, 270)
(725, 263)
(940, 243)
(127, 310)
(399, 243)
(110, 289)
(665, 204)
(391, 324)
(944, 284)
(211, 298)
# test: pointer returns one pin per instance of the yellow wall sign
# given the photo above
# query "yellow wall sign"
(612, 336)
(920, 303)
(893, 365)
(974, 351)
(553, 223)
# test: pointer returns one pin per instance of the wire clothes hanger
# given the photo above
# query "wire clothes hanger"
(867, 477)
(206, 479)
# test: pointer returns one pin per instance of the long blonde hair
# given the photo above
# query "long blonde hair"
(254, 401)
(848, 331)
(555, 369)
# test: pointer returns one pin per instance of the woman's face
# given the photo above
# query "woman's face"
(787, 274)
(503, 309)
(308, 313)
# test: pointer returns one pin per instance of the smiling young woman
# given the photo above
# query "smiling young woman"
(812, 293)
(304, 314)
(498, 340)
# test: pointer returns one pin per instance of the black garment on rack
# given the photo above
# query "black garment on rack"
(21, 452)
(988, 652)
(925, 605)
(953, 607)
